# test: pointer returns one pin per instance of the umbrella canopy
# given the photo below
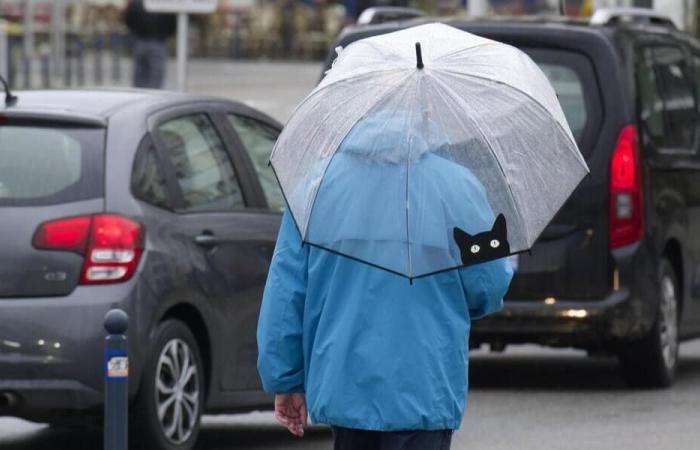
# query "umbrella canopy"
(425, 150)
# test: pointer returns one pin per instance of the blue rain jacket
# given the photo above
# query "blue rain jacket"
(370, 350)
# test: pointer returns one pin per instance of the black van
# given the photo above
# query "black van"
(618, 269)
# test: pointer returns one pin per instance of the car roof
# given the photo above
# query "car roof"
(532, 30)
(506, 24)
(98, 105)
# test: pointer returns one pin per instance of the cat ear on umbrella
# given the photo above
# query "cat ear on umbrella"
(462, 238)
(499, 226)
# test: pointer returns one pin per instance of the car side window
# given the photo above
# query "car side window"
(148, 182)
(202, 166)
(258, 139)
(650, 101)
(680, 111)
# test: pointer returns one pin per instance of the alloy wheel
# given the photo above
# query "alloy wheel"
(668, 331)
(177, 391)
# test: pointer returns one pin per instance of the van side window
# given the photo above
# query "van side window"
(696, 71)
(147, 179)
(680, 110)
(650, 102)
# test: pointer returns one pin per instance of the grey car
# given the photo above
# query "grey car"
(158, 203)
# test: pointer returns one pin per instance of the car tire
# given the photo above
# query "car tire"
(652, 361)
(167, 411)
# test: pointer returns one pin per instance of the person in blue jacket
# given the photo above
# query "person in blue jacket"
(381, 360)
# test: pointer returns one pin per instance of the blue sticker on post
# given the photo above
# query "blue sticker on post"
(116, 365)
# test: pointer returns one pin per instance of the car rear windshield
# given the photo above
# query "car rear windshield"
(46, 164)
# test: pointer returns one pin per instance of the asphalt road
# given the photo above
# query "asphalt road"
(526, 398)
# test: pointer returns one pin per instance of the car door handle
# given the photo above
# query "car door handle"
(207, 240)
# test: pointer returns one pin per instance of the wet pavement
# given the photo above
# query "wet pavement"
(526, 398)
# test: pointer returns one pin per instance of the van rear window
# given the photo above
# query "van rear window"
(42, 164)
(567, 84)
(573, 79)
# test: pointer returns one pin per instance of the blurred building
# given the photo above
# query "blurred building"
(272, 28)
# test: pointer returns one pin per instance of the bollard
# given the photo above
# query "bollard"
(79, 57)
(116, 367)
(12, 63)
(27, 68)
(98, 47)
(45, 64)
(115, 43)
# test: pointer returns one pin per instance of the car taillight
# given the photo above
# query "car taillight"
(69, 234)
(626, 221)
(111, 244)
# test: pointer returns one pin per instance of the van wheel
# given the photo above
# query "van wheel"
(652, 361)
(168, 408)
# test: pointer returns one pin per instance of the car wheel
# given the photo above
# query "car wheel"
(168, 408)
(652, 361)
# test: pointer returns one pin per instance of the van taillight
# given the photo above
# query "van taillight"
(626, 221)
(111, 244)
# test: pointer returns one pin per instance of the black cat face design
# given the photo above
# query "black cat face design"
(484, 246)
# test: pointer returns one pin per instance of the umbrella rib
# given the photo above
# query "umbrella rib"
(535, 100)
(352, 79)
(407, 207)
(318, 130)
(495, 156)
(308, 98)
(323, 176)
(467, 50)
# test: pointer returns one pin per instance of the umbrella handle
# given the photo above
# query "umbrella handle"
(419, 56)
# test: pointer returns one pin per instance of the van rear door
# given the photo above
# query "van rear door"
(569, 260)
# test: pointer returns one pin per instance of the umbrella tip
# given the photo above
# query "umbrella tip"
(419, 56)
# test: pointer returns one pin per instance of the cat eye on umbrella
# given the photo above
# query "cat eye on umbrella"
(425, 150)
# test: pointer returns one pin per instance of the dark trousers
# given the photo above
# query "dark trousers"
(351, 439)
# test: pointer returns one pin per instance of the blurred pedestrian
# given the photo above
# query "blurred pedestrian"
(150, 33)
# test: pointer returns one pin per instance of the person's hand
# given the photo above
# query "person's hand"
(290, 411)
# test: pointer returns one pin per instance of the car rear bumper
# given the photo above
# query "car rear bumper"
(40, 399)
(51, 349)
(614, 319)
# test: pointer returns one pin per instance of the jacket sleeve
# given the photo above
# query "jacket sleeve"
(280, 356)
(485, 285)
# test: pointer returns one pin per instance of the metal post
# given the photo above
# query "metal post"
(45, 65)
(115, 41)
(97, 53)
(12, 63)
(4, 51)
(116, 369)
(28, 41)
(58, 38)
(182, 38)
(78, 56)
(236, 44)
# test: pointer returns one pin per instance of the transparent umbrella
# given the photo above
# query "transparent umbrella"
(425, 150)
